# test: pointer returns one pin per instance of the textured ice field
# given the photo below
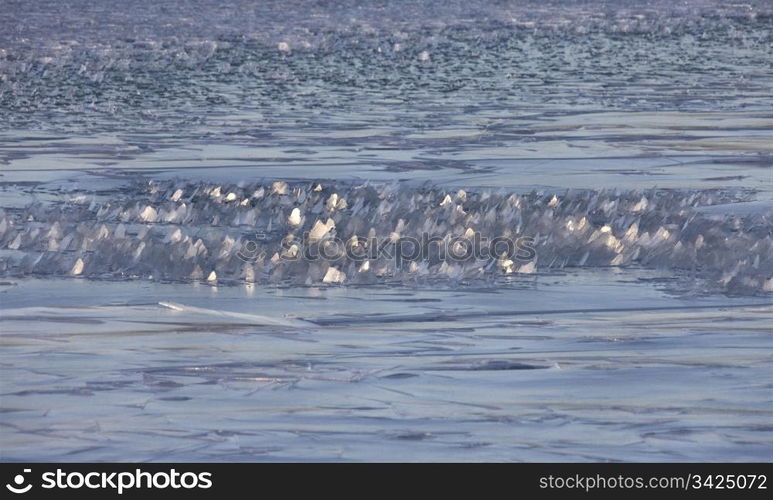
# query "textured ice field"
(102, 371)
(147, 147)
(376, 233)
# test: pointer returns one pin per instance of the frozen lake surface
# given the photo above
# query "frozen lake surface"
(142, 146)
(101, 371)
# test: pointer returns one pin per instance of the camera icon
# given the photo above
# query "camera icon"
(18, 481)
